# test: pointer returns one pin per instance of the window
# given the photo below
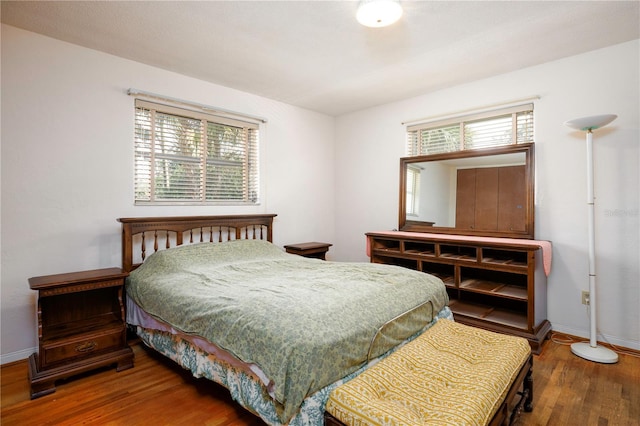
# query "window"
(413, 190)
(190, 157)
(506, 126)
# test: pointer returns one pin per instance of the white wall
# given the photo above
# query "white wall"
(67, 165)
(369, 143)
(66, 171)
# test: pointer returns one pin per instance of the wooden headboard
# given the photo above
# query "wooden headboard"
(142, 235)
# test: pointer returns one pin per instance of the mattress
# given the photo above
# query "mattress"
(304, 323)
(246, 383)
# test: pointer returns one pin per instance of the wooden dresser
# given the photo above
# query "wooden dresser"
(81, 326)
(498, 284)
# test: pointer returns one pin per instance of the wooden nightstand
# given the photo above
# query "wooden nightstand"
(81, 326)
(314, 249)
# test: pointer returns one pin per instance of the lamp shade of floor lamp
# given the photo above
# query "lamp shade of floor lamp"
(591, 350)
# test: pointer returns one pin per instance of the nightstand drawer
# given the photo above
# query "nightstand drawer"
(81, 347)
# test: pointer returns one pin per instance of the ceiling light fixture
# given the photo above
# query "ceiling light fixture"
(378, 13)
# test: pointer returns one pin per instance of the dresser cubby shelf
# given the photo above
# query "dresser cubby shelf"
(495, 289)
(500, 317)
(495, 283)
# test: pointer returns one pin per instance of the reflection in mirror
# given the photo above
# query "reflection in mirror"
(481, 192)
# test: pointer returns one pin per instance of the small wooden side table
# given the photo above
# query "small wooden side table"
(312, 249)
(81, 326)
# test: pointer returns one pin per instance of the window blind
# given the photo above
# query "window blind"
(505, 126)
(190, 157)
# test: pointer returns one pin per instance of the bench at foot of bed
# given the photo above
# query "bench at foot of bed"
(453, 374)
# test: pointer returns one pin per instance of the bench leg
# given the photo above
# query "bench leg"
(526, 399)
(528, 387)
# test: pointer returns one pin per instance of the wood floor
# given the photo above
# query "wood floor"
(567, 391)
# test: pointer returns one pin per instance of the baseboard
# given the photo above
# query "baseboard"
(22, 355)
(604, 340)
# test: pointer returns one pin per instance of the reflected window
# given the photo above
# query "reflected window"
(413, 190)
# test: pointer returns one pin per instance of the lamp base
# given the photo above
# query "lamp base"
(595, 354)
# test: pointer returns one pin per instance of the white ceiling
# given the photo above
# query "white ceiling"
(315, 55)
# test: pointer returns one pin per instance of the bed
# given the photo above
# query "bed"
(280, 331)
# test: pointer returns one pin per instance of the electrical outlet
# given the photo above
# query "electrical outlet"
(585, 297)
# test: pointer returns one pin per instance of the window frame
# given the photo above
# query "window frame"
(413, 194)
(458, 141)
(145, 158)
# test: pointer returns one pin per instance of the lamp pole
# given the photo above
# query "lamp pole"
(592, 241)
(591, 351)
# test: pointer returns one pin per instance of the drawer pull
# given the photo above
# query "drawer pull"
(86, 347)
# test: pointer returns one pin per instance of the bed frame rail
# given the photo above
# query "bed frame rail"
(143, 234)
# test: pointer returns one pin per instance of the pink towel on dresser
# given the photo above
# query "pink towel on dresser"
(545, 246)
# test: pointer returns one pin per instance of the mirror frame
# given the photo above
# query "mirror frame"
(416, 226)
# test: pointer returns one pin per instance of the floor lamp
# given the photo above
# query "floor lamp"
(591, 351)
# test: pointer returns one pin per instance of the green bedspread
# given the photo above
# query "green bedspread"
(305, 322)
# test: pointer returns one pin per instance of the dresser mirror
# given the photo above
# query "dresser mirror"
(483, 192)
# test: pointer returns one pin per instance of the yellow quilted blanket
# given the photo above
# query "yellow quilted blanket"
(451, 375)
